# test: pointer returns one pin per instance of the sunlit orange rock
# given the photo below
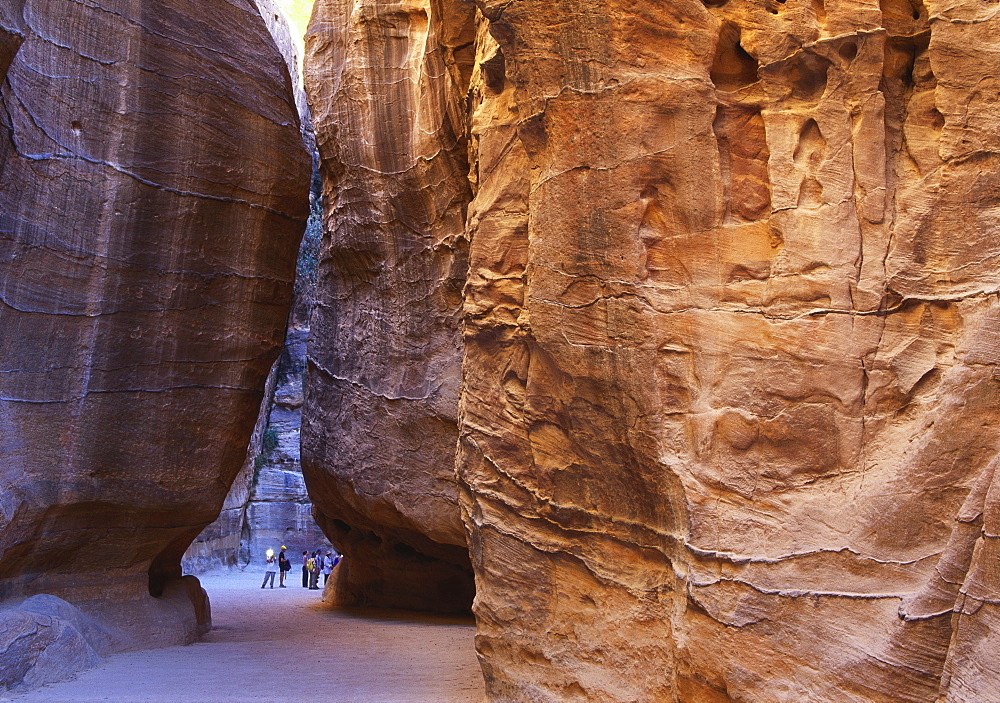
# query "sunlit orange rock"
(728, 414)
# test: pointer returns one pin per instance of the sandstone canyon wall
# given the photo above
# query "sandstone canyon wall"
(285, 23)
(267, 505)
(728, 419)
(153, 187)
(379, 423)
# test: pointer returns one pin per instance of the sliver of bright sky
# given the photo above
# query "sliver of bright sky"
(297, 12)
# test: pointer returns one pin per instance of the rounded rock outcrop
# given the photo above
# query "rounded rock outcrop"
(153, 188)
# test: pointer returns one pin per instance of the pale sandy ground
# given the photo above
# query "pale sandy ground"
(284, 645)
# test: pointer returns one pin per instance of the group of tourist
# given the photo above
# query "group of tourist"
(315, 564)
(312, 566)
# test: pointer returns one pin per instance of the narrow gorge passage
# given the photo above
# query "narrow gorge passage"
(286, 645)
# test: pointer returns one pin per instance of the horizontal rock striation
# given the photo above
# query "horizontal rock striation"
(153, 187)
(729, 405)
(379, 421)
(728, 416)
(267, 505)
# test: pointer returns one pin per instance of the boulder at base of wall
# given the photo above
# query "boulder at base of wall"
(45, 639)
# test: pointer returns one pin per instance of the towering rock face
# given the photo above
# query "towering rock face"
(379, 423)
(728, 415)
(153, 187)
(267, 505)
(286, 20)
(729, 412)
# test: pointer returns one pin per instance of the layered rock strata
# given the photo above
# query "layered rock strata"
(379, 423)
(152, 192)
(728, 417)
(285, 24)
(267, 505)
(729, 411)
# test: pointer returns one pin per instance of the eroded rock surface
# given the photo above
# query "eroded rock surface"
(267, 505)
(729, 408)
(379, 423)
(730, 375)
(153, 187)
(45, 639)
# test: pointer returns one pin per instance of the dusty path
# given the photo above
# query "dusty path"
(283, 645)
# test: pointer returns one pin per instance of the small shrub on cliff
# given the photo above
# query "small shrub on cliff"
(269, 442)
(308, 261)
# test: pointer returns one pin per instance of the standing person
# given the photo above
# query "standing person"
(270, 569)
(305, 568)
(314, 571)
(327, 567)
(284, 566)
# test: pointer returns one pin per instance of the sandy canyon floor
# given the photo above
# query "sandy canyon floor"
(285, 645)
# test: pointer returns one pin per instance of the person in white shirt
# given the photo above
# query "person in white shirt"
(327, 567)
(271, 569)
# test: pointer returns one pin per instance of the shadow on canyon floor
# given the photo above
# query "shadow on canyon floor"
(285, 645)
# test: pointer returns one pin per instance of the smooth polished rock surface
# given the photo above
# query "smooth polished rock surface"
(153, 189)
(379, 422)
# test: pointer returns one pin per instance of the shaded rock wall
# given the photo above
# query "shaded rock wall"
(286, 33)
(267, 505)
(728, 415)
(379, 422)
(152, 192)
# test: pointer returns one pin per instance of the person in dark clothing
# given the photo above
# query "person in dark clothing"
(305, 569)
(284, 566)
